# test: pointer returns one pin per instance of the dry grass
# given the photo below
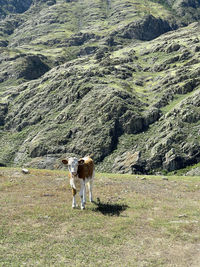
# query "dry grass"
(134, 222)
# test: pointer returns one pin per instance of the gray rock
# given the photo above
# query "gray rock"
(25, 171)
(128, 162)
(145, 29)
(173, 47)
(165, 178)
(194, 172)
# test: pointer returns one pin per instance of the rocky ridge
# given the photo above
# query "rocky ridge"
(78, 83)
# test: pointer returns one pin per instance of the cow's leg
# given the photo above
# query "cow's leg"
(82, 192)
(73, 198)
(90, 183)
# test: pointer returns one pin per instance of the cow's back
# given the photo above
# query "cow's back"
(86, 170)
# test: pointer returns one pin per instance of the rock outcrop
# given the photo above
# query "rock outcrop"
(146, 29)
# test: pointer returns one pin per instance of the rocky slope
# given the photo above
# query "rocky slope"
(117, 79)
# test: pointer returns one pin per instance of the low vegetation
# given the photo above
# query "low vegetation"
(134, 221)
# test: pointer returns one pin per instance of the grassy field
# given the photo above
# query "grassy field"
(134, 221)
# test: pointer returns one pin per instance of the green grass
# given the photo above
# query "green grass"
(177, 99)
(134, 224)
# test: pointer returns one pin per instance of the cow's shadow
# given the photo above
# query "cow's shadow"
(110, 209)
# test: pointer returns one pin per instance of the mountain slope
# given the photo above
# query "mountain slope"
(120, 80)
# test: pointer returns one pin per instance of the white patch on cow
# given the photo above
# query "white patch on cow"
(74, 202)
(90, 183)
(72, 183)
(82, 194)
(73, 166)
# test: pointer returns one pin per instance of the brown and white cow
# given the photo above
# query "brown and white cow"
(81, 172)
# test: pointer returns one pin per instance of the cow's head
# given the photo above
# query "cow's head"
(73, 165)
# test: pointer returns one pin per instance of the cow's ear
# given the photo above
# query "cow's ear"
(65, 161)
(81, 162)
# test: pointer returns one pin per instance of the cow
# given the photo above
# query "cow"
(80, 172)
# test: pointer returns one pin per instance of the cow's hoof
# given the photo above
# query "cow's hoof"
(83, 207)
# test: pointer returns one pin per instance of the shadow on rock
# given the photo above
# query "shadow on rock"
(111, 209)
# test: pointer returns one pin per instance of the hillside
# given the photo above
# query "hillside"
(117, 79)
(135, 222)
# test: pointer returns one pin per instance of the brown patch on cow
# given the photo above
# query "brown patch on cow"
(81, 161)
(86, 170)
(73, 191)
(65, 161)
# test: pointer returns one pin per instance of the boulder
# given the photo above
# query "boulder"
(172, 161)
(25, 171)
(128, 162)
